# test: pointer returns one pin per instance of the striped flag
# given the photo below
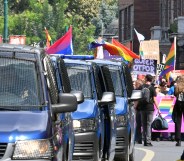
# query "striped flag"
(125, 49)
(170, 61)
(63, 45)
(112, 49)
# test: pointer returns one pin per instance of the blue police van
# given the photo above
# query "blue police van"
(30, 106)
(94, 120)
(64, 86)
(124, 109)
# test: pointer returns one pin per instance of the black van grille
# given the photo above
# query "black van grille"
(2, 149)
(83, 147)
(120, 145)
(83, 151)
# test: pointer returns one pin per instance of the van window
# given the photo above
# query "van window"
(128, 80)
(107, 79)
(66, 87)
(80, 80)
(19, 83)
(117, 83)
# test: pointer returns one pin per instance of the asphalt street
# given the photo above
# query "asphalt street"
(160, 151)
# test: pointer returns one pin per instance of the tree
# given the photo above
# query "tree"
(80, 14)
(30, 17)
(108, 12)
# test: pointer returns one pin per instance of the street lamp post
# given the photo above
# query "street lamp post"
(5, 40)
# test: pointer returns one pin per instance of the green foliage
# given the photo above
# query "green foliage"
(81, 41)
(173, 28)
(108, 12)
(30, 17)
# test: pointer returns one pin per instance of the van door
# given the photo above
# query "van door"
(109, 114)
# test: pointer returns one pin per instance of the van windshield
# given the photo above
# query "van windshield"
(117, 83)
(19, 83)
(80, 80)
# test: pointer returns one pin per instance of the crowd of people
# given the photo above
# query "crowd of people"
(145, 112)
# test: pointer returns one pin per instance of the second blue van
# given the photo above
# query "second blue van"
(124, 109)
(94, 121)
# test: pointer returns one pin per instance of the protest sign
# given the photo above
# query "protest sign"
(150, 50)
(144, 66)
(160, 67)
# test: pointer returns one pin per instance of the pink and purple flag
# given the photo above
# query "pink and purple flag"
(63, 45)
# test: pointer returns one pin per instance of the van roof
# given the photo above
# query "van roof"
(27, 52)
(78, 57)
(109, 62)
(76, 61)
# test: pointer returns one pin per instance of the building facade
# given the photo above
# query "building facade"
(155, 20)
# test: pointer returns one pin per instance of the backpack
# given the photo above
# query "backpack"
(181, 97)
(146, 95)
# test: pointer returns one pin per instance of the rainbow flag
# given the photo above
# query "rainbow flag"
(166, 105)
(170, 60)
(125, 49)
(63, 45)
(169, 77)
(112, 49)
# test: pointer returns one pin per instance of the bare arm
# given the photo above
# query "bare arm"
(156, 103)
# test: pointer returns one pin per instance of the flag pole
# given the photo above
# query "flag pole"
(174, 73)
(174, 53)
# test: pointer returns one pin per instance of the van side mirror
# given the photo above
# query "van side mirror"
(107, 98)
(79, 95)
(136, 95)
(67, 103)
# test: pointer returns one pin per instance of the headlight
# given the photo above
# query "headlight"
(122, 120)
(84, 125)
(33, 149)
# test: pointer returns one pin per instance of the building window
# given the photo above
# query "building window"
(126, 23)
